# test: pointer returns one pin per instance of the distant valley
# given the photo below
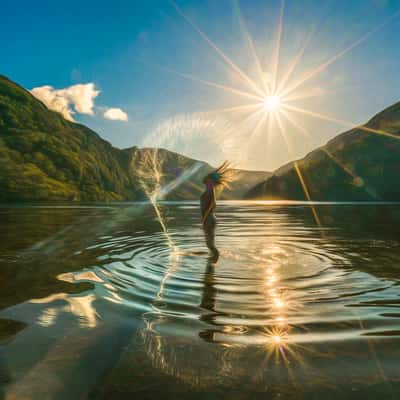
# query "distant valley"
(44, 157)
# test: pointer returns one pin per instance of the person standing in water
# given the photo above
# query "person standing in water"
(217, 179)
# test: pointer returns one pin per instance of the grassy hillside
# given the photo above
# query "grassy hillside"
(357, 165)
(44, 157)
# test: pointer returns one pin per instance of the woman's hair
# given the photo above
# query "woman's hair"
(221, 176)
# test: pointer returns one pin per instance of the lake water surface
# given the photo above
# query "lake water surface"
(123, 301)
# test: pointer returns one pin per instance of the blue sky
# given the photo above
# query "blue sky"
(133, 52)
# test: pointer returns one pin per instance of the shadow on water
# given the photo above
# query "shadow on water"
(98, 304)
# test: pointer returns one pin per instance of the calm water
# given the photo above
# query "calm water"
(106, 302)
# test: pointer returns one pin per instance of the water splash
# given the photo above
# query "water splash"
(201, 135)
(151, 176)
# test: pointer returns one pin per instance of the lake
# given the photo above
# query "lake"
(119, 301)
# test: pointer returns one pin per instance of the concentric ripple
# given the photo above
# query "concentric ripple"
(109, 301)
(279, 276)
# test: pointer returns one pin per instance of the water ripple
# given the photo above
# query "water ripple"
(274, 272)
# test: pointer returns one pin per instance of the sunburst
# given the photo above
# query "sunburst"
(274, 102)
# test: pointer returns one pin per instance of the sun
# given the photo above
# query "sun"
(276, 93)
(272, 103)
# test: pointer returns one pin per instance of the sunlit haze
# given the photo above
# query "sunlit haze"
(258, 83)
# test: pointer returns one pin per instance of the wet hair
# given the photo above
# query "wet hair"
(221, 176)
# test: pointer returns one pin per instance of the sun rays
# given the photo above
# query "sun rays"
(277, 87)
(277, 95)
(275, 101)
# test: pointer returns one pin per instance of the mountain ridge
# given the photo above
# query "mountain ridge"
(44, 157)
(360, 164)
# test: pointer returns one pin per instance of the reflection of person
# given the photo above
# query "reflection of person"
(215, 180)
(208, 300)
(209, 290)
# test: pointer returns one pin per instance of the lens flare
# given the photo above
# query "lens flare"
(277, 339)
(275, 93)
(272, 103)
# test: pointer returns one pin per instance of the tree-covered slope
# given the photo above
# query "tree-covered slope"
(359, 165)
(44, 157)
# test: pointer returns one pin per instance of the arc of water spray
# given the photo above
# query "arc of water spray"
(57, 240)
(153, 165)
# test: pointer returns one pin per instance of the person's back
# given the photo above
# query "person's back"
(216, 179)
(207, 206)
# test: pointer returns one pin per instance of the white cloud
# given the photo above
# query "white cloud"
(68, 101)
(82, 97)
(115, 114)
(53, 101)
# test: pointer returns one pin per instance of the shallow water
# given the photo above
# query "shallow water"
(108, 301)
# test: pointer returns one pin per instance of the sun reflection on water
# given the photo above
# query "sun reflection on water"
(269, 306)
(80, 306)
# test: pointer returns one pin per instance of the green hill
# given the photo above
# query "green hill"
(44, 157)
(362, 164)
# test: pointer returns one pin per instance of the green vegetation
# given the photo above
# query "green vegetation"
(44, 157)
(357, 165)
